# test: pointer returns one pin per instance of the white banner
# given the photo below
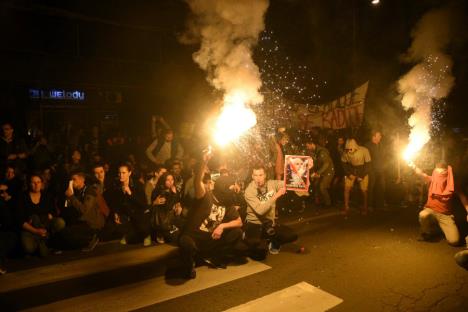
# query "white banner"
(345, 112)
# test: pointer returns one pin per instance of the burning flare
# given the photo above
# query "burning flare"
(235, 119)
(420, 123)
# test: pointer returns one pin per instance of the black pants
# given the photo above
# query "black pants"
(140, 227)
(192, 246)
(75, 236)
(376, 189)
(8, 242)
(257, 238)
(134, 228)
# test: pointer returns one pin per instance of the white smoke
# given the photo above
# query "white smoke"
(430, 80)
(227, 31)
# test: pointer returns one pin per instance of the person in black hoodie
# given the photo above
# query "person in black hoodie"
(213, 229)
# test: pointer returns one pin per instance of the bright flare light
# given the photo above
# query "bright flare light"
(235, 119)
(419, 136)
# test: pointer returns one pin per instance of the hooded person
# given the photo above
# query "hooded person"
(228, 192)
(437, 211)
(356, 164)
(213, 230)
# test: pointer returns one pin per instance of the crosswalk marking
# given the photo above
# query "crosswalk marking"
(83, 267)
(152, 291)
(299, 297)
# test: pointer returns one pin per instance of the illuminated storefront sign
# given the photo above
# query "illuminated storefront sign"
(56, 94)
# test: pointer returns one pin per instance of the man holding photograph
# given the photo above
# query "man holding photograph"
(262, 233)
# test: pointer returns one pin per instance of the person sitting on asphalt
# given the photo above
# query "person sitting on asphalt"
(262, 233)
(356, 162)
(212, 230)
(437, 212)
(166, 208)
(84, 199)
(131, 214)
(39, 219)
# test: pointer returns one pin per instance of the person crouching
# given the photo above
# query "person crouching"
(212, 229)
(437, 211)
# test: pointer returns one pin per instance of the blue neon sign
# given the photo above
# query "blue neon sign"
(57, 94)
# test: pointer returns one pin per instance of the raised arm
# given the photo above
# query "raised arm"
(150, 149)
(198, 180)
(420, 173)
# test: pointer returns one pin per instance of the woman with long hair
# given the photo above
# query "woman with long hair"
(166, 208)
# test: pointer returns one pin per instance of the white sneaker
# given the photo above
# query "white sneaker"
(273, 249)
(160, 239)
(147, 241)
(123, 241)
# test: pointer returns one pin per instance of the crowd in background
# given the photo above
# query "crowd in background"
(73, 189)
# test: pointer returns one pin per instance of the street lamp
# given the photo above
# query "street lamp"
(375, 2)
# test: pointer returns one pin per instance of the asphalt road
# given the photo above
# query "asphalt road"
(372, 263)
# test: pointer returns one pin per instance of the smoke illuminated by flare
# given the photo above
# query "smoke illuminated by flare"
(234, 120)
(420, 87)
(429, 81)
(227, 32)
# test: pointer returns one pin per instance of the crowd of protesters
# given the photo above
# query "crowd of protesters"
(217, 206)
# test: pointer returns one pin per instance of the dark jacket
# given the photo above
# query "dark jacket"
(86, 203)
(127, 206)
(323, 164)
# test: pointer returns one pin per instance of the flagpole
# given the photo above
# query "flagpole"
(398, 158)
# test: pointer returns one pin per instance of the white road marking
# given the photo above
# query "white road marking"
(297, 298)
(152, 291)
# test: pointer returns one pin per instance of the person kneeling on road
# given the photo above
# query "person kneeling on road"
(262, 233)
(438, 212)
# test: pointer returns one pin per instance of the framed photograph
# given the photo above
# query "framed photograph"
(296, 172)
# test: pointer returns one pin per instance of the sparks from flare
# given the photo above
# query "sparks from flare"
(428, 111)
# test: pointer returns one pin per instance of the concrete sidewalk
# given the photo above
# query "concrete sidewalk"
(107, 257)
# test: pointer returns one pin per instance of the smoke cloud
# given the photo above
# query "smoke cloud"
(431, 79)
(227, 31)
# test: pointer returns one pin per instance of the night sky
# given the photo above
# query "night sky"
(132, 47)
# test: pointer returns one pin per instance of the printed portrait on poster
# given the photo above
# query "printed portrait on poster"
(296, 172)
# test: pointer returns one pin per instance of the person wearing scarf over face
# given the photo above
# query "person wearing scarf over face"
(437, 210)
